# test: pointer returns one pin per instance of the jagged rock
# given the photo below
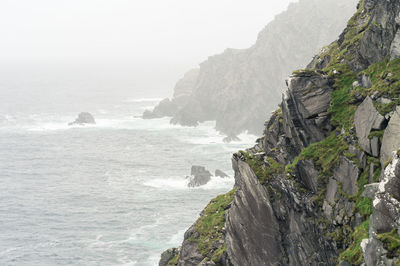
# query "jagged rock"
(370, 190)
(199, 176)
(83, 118)
(308, 174)
(347, 173)
(360, 155)
(220, 173)
(367, 119)
(385, 216)
(182, 92)
(164, 108)
(237, 88)
(331, 190)
(395, 47)
(190, 254)
(167, 255)
(231, 138)
(305, 107)
(391, 139)
(252, 229)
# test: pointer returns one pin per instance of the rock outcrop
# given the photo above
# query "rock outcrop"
(239, 88)
(83, 118)
(312, 190)
(391, 138)
(379, 248)
(367, 119)
(199, 176)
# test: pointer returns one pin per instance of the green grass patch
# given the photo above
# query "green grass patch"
(326, 154)
(391, 242)
(264, 171)
(353, 254)
(174, 261)
(209, 225)
(378, 134)
(342, 113)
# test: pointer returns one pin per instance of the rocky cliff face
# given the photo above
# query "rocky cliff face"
(321, 187)
(239, 88)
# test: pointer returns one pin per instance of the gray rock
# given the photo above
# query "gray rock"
(375, 146)
(395, 47)
(308, 174)
(190, 255)
(199, 176)
(391, 139)
(83, 118)
(305, 107)
(384, 100)
(347, 173)
(168, 255)
(385, 216)
(364, 81)
(252, 229)
(370, 190)
(366, 119)
(220, 173)
(344, 263)
(331, 190)
(164, 108)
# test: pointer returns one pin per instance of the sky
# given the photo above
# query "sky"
(146, 43)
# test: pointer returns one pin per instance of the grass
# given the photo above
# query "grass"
(391, 242)
(326, 154)
(342, 113)
(264, 171)
(209, 225)
(174, 261)
(353, 254)
(385, 78)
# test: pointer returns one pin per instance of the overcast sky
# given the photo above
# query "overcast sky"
(173, 34)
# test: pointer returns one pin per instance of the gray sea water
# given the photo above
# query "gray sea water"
(110, 194)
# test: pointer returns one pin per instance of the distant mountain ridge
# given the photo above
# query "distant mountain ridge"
(239, 88)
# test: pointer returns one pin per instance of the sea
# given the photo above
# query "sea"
(114, 193)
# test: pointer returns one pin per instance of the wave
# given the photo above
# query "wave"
(182, 184)
(142, 100)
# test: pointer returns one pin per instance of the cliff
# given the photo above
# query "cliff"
(322, 186)
(239, 88)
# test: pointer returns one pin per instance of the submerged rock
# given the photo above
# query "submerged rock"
(199, 176)
(83, 118)
(220, 173)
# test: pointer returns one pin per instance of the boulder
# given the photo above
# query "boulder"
(199, 176)
(220, 173)
(391, 140)
(347, 173)
(367, 119)
(83, 118)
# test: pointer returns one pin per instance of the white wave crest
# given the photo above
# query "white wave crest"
(142, 100)
(182, 184)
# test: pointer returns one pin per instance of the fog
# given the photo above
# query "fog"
(134, 46)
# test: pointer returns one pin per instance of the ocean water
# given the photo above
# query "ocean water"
(109, 194)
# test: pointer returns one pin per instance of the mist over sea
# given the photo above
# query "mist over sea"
(110, 194)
